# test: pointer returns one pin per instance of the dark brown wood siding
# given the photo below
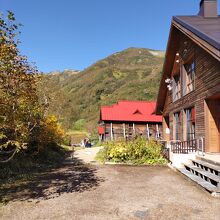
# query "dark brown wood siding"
(207, 84)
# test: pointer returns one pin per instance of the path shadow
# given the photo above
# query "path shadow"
(72, 176)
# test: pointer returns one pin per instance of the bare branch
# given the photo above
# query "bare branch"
(10, 158)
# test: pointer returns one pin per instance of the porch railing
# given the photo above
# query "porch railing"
(186, 147)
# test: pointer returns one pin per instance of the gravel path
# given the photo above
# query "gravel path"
(84, 192)
(87, 154)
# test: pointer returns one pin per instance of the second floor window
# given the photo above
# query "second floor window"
(188, 77)
(176, 87)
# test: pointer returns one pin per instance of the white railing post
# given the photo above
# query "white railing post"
(157, 132)
(133, 129)
(148, 132)
(124, 132)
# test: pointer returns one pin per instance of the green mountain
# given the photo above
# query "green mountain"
(132, 74)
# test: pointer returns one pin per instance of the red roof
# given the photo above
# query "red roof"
(101, 130)
(135, 111)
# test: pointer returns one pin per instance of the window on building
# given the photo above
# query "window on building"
(190, 123)
(176, 87)
(177, 125)
(188, 77)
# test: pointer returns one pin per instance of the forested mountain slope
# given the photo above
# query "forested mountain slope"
(132, 74)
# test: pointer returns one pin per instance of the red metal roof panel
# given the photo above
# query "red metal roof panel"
(136, 111)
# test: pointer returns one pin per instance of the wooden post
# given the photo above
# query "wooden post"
(111, 132)
(148, 133)
(104, 135)
(124, 131)
(157, 131)
(133, 129)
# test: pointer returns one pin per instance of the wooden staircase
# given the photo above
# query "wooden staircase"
(204, 173)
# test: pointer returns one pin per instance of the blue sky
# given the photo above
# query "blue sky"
(73, 34)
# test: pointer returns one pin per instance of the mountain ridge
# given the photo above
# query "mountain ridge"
(131, 74)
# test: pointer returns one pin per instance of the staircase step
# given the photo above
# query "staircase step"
(215, 191)
(208, 160)
(214, 179)
(207, 165)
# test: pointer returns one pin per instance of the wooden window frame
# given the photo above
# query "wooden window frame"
(176, 87)
(190, 124)
(189, 73)
(177, 125)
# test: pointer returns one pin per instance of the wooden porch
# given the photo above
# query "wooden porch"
(186, 147)
(195, 146)
(129, 131)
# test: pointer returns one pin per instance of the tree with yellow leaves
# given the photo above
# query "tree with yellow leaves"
(21, 112)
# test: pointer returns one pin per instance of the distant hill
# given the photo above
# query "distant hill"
(132, 74)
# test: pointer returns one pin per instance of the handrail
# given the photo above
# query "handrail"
(201, 148)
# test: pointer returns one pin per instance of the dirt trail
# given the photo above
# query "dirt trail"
(87, 154)
(84, 192)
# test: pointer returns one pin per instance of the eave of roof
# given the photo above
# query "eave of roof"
(167, 67)
(135, 121)
(207, 29)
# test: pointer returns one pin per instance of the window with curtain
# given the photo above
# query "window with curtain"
(188, 77)
(190, 123)
(177, 124)
(176, 87)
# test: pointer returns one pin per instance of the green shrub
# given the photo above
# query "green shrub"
(138, 151)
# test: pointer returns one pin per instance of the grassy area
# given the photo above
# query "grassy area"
(75, 137)
(138, 151)
(24, 164)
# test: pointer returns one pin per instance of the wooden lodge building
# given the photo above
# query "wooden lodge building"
(189, 94)
(128, 119)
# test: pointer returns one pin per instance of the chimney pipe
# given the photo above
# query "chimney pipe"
(208, 9)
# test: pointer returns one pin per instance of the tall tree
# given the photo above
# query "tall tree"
(20, 110)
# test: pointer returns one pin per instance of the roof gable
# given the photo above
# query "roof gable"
(201, 31)
(137, 112)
